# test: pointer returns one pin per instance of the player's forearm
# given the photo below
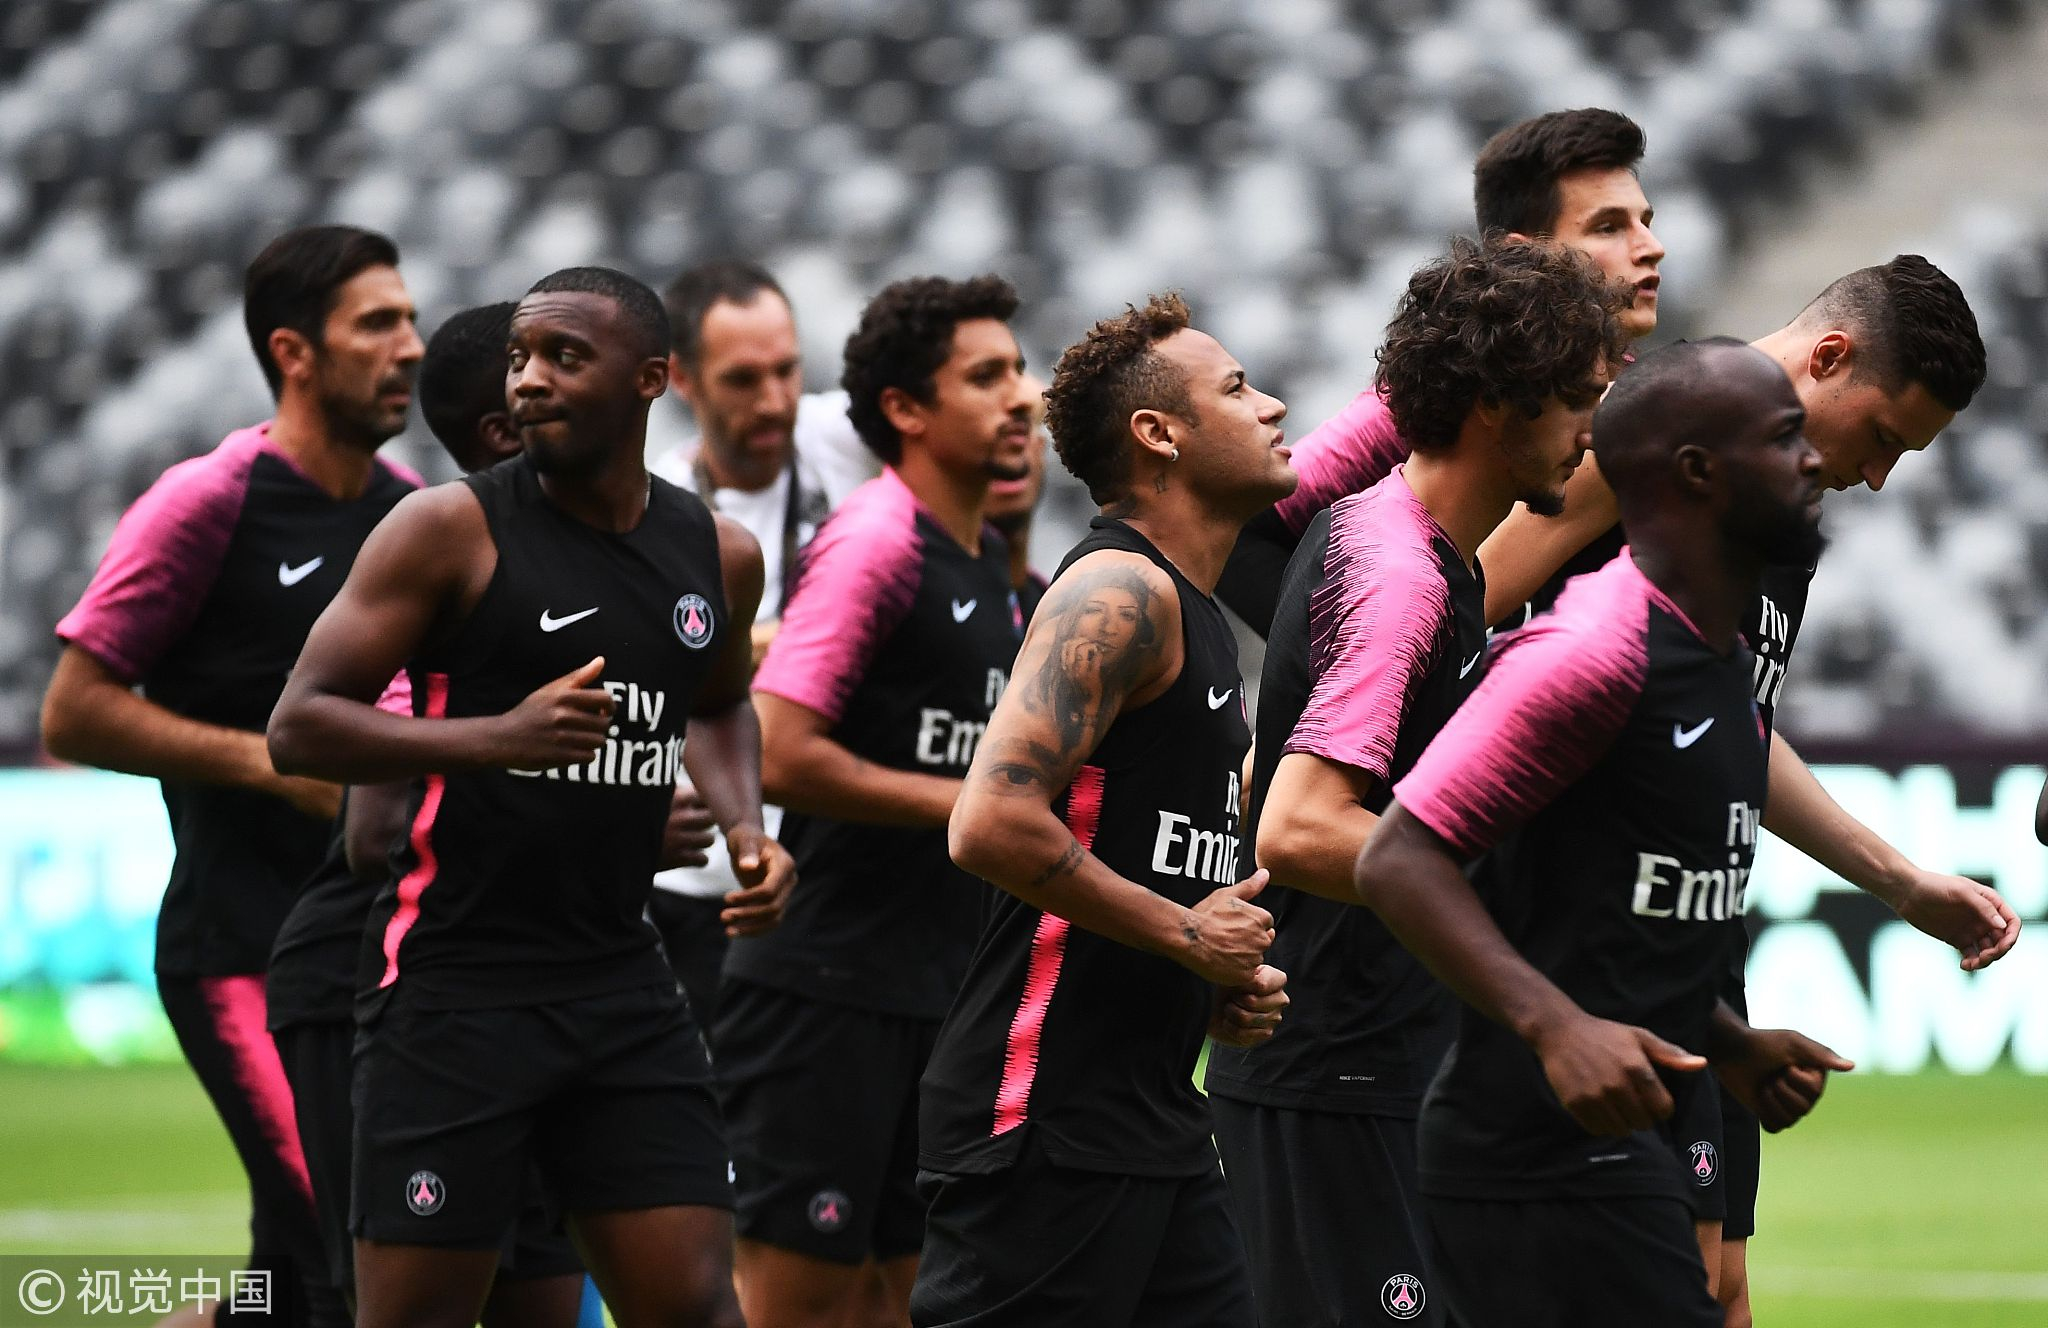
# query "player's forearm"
(723, 755)
(1800, 812)
(1019, 846)
(103, 723)
(1313, 845)
(1728, 1033)
(812, 774)
(353, 742)
(1434, 912)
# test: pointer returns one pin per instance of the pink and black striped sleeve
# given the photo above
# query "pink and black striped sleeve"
(163, 560)
(859, 577)
(1550, 707)
(1348, 453)
(1375, 628)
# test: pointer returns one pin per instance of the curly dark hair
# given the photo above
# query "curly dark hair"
(1492, 323)
(1514, 181)
(905, 334)
(1912, 324)
(1105, 376)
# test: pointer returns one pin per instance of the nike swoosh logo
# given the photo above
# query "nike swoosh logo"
(1683, 738)
(1215, 701)
(291, 576)
(961, 612)
(548, 624)
(1473, 662)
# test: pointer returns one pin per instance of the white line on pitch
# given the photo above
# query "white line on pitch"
(1903, 1284)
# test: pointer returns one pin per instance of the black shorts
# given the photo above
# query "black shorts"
(1742, 1149)
(821, 1105)
(694, 940)
(1331, 1216)
(608, 1097)
(1568, 1263)
(1698, 1137)
(222, 1025)
(316, 1057)
(1040, 1246)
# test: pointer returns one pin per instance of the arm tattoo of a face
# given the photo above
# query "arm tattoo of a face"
(1104, 635)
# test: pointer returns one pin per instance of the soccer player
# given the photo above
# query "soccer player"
(773, 458)
(1066, 1148)
(180, 645)
(569, 624)
(1490, 369)
(1613, 767)
(896, 643)
(1882, 360)
(1566, 178)
(311, 985)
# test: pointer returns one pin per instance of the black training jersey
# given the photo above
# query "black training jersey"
(903, 640)
(1615, 765)
(517, 887)
(1380, 635)
(1062, 1036)
(204, 599)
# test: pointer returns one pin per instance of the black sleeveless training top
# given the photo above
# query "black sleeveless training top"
(1064, 1037)
(518, 887)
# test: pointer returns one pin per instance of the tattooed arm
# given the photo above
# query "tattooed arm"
(1106, 639)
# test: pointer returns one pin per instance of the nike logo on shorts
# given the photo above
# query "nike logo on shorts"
(1215, 701)
(961, 612)
(291, 576)
(548, 624)
(1682, 738)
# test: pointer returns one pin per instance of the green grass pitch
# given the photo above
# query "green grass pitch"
(1904, 1201)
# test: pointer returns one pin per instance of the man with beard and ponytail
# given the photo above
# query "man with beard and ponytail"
(1490, 369)
(181, 644)
(574, 633)
(896, 642)
(1612, 772)
(1066, 1148)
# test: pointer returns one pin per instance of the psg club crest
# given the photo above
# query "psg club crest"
(829, 1210)
(1402, 1297)
(424, 1193)
(1705, 1164)
(693, 621)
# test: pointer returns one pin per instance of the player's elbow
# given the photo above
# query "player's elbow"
(1286, 843)
(1375, 876)
(973, 840)
(286, 736)
(73, 717)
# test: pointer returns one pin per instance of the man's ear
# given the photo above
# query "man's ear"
(292, 352)
(905, 413)
(1154, 432)
(652, 380)
(1695, 468)
(499, 438)
(1831, 355)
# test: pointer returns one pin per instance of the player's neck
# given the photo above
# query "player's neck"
(612, 498)
(1019, 541)
(955, 501)
(1194, 538)
(1712, 584)
(1465, 502)
(300, 432)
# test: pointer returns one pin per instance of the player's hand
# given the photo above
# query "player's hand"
(1224, 938)
(690, 831)
(766, 873)
(1958, 911)
(1779, 1075)
(562, 723)
(1605, 1073)
(1248, 1015)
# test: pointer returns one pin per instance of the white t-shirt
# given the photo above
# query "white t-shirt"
(831, 462)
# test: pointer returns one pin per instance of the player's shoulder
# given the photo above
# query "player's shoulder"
(883, 511)
(1383, 542)
(216, 479)
(393, 471)
(1099, 572)
(1595, 638)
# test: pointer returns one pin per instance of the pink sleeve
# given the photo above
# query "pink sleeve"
(1549, 708)
(857, 581)
(1374, 627)
(162, 562)
(1349, 453)
(397, 698)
